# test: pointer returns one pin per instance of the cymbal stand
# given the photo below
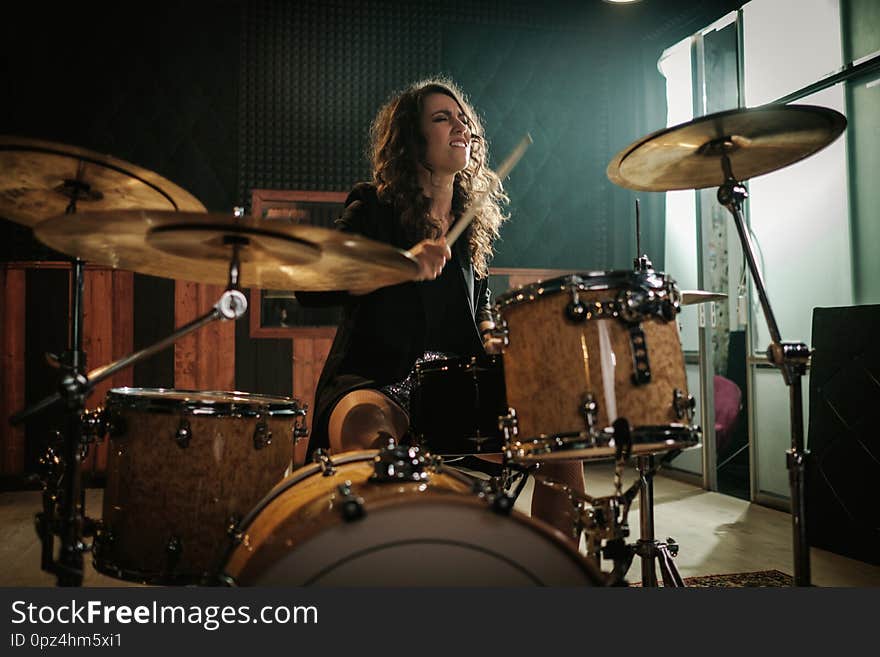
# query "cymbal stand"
(74, 388)
(791, 359)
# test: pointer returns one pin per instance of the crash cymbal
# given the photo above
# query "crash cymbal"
(198, 247)
(757, 141)
(689, 297)
(39, 178)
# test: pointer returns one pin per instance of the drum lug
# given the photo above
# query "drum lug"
(300, 429)
(576, 310)
(591, 413)
(683, 405)
(351, 506)
(233, 529)
(322, 458)
(94, 424)
(262, 435)
(509, 425)
(641, 366)
(183, 434)
(173, 550)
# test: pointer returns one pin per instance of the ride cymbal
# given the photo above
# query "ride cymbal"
(756, 141)
(199, 247)
(38, 180)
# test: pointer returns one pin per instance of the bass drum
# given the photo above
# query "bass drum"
(337, 524)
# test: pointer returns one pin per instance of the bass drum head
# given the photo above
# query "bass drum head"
(448, 543)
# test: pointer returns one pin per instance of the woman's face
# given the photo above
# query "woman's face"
(447, 132)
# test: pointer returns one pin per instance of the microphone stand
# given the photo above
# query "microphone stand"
(791, 359)
(62, 496)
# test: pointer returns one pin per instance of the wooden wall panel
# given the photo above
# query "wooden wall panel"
(107, 335)
(309, 356)
(12, 376)
(204, 359)
(98, 345)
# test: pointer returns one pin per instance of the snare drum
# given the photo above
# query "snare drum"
(339, 524)
(585, 349)
(456, 404)
(183, 466)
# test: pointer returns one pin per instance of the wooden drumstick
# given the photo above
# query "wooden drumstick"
(502, 172)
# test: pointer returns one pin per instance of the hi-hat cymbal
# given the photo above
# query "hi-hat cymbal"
(38, 179)
(199, 247)
(689, 297)
(757, 141)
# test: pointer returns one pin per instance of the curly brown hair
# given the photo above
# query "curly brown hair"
(397, 147)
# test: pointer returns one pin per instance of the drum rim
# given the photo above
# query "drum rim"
(584, 282)
(153, 578)
(226, 402)
(479, 363)
(535, 448)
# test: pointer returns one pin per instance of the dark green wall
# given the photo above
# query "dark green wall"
(228, 96)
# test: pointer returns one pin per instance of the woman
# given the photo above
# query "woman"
(429, 161)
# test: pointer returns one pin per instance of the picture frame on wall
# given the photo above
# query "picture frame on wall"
(279, 313)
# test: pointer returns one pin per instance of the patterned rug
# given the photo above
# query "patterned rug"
(737, 580)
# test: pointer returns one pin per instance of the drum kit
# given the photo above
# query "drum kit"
(199, 486)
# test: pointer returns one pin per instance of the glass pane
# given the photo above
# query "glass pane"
(862, 25)
(681, 227)
(773, 429)
(788, 45)
(863, 140)
(681, 218)
(800, 218)
(691, 460)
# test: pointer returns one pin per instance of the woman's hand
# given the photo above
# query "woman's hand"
(432, 255)
(491, 343)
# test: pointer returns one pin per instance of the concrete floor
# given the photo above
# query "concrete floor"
(716, 533)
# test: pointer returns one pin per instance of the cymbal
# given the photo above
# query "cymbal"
(38, 180)
(757, 141)
(689, 297)
(198, 247)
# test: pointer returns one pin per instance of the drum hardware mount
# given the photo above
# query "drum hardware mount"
(639, 347)
(495, 491)
(63, 514)
(322, 458)
(262, 435)
(684, 406)
(509, 425)
(398, 462)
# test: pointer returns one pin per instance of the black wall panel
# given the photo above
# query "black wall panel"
(844, 439)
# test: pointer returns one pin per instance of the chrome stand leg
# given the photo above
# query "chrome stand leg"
(647, 547)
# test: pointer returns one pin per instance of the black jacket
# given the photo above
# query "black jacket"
(383, 333)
